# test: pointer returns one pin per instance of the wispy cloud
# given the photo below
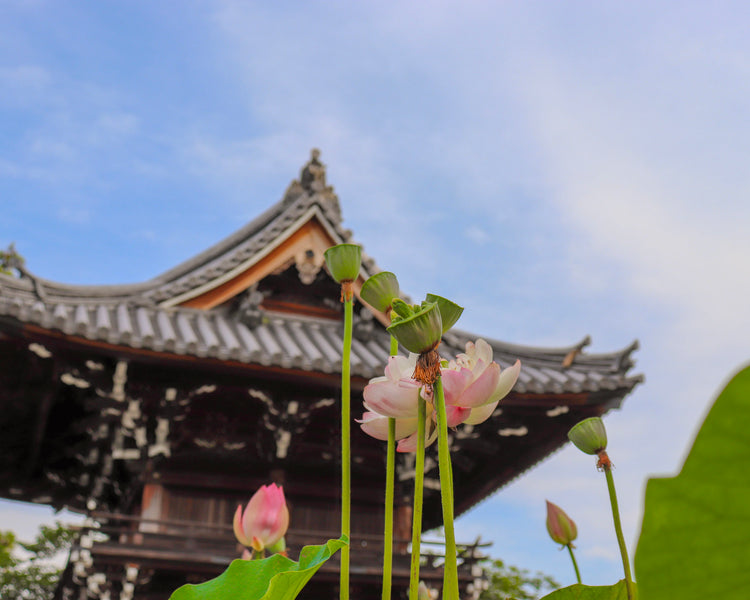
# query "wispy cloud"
(560, 171)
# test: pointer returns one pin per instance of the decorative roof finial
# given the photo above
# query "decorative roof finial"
(313, 175)
(312, 187)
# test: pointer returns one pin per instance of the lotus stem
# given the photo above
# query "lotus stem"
(390, 463)
(575, 564)
(390, 470)
(346, 446)
(450, 573)
(416, 527)
(607, 466)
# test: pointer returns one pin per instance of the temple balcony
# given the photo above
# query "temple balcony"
(161, 555)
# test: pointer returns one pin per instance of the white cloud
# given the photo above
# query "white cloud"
(598, 158)
(477, 235)
(23, 84)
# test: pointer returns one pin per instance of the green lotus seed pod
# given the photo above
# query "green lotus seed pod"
(420, 331)
(344, 261)
(401, 309)
(449, 311)
(589, 435)
(380, 290)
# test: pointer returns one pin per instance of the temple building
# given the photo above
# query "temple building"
(156, 408)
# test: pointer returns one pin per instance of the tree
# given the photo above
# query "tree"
(507, 582)
(26, 572)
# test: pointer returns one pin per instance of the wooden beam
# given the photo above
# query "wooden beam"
(35, 445)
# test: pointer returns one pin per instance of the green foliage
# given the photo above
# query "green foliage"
(25, 573)
(619, 591)
(10, 260)
(275, 577)
(696, 526)
(511, 583)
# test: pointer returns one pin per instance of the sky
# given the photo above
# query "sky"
(559, 169)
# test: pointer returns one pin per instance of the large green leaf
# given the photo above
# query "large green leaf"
(273, 578)
(695, 540)
(577, 591)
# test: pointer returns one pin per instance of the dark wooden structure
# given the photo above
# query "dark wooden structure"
(156, 408)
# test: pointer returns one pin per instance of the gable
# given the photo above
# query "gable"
(302, 245)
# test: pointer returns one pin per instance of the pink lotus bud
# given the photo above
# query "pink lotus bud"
(264, 520)
(560, 526)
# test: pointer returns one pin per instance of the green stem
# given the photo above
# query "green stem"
(575, 564)
(346, 448)
(618, 531)
(450, 573)
(390, 470)
(416, 527)
(390, 464)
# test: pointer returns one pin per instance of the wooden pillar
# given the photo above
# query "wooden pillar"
(402, 519)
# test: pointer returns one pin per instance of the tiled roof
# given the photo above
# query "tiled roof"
(147, 315)
(305, 343)
(304, 198)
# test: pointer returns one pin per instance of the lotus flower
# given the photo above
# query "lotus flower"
(474, 385)
(265, 518)
(560, 526)
(396, 395)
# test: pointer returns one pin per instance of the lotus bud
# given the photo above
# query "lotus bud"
(449, 311)
(265, 518)
(380, 290)
(589, 435)
(420, 331)
(560, 526)
(344, 261)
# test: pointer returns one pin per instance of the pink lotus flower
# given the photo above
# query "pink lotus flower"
(474, 384)
(473, 387)
(396, 395)
(264, 520)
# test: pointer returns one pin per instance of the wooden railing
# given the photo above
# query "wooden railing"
(119, 538)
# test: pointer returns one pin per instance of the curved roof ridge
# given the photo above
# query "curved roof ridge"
(221, 247)
(305, 198)
(575, 352)
(308, 192)
(70, 291)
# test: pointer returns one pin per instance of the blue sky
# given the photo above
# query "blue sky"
(560, 169)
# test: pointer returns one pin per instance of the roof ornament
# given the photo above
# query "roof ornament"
(249, 311)
(12, 262)
(308, 266)
(570, 357)
(312, 184)
(313, 175)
